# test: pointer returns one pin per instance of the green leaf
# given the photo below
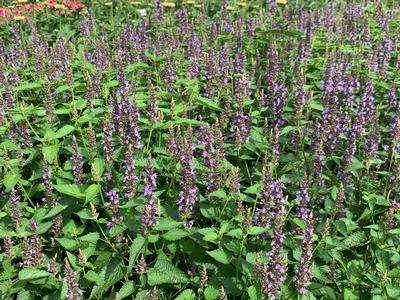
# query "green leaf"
(211, 292)
(184, 121)
(61, 88)
(164, 272)
(50, 152)
(137, 66)
(212, 236)
(126, 290)
(55, 211)
(70, 190)
(355, 165)
(136, 247)
(167, 224)
(254, 293)
(10, 180)
(287, 129)
(31, 274)
(393, 291)
(98, 167)
(292, 33)
(187, 294)
(68, 244)
(91, 192)
(220, 255)
(354, 240)
(90, 237)
(316, 106)
(254, 189)
(219, 194)
(256, 230)
(67, 129)
(350, 295)
(175, 234)
(208, 103)
(27, 86)
(111, 273)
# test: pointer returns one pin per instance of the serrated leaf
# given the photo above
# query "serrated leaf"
(164, 272)
(256, 230)
(31, 274)
(126, 290)
(98, 166)
(350, 295)
(211, 292)
(184, 121)
(10, 180)
(212, 236)
(175, 234)
(355, 165)
(90, 237)
(208, 103)
(91, 192)
(50, 152)
(67, 129)
(254, 189)
(187, 294)
(70, 190)
(55, 211)
(136, 247)
(219, 194)
(167, 224)
(220, 255)
(27, 86)
(354, 240)
(111, 273)
(254, 293)
(68, 244)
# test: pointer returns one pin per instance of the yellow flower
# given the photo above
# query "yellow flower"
(242, 4)
(230, 8)
(19, 18)
(281, 1)
(60, 6)
(168, 4)
(190, 2)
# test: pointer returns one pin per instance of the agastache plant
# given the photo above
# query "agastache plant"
(303, 273)
(130, 178)
(114, 205)
(150, 211)
(274, 273)
(77, 162)
(73, 291)
(188, 194)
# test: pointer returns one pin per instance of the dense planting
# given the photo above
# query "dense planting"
(216, 151)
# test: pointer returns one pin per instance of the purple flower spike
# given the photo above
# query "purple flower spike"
(77, 162)
(303, 198)
(150, 210)
(114, 205)
(188, 194)
(303, 273)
